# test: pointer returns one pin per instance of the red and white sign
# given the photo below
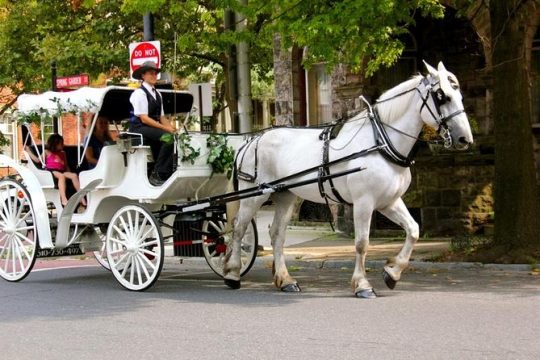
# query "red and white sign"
(142, 52)
(72, 81)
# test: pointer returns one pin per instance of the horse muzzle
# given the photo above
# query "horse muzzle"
(462, 143)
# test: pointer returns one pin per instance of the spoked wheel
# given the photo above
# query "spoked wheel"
(216, 242)
(134, 246)
(18, 237)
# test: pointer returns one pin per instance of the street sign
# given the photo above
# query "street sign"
(144, 51)
(72, 81)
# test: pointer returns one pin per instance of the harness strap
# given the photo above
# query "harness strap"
(243, 175)
(386, 148)
(325, 171)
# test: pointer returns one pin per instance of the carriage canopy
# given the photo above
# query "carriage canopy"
(111, 101)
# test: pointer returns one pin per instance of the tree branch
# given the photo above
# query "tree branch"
(208, 57)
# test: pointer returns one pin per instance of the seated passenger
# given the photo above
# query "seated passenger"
(56, 163)
(99, 137)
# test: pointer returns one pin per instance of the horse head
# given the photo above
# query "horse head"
(442, 108)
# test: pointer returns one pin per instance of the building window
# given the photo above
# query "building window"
(8, 127)
(319, 95)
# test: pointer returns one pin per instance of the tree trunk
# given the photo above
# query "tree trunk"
(516, 193)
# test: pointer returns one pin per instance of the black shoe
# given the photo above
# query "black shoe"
(156, 180)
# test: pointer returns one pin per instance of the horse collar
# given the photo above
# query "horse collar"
(386, 148)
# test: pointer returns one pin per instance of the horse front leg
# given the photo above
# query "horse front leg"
(399, 214)
(232, 262)
(283, 211)
(362, 220)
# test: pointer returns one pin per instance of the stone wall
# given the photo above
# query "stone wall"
(453, 192)
(287, 72)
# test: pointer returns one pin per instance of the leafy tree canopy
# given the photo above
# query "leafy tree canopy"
(92, 36)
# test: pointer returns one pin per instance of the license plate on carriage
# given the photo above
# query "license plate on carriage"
(71, 250)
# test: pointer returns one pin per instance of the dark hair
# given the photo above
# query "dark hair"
(108, 136)
(53, 141)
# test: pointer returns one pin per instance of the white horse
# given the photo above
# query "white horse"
(434, 100)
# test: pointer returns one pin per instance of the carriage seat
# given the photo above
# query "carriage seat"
(136, 141)
(110, 168)
(45, 177)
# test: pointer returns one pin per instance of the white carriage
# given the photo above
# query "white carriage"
(127, 222)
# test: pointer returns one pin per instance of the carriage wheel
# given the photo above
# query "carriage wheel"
(216, 241)
(18, 237)
(134, 247)
(101, 254)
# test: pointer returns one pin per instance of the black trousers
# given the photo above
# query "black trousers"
(162, 153)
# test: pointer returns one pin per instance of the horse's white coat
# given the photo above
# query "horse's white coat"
(285, 151)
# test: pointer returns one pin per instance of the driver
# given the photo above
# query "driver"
(148, 120)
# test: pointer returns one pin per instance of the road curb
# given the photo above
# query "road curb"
(421, 265)
(293, 261)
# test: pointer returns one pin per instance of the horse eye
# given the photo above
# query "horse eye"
(440, 95)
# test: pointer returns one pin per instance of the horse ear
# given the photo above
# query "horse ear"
(441, 67)
(443, 77)
(431, 70)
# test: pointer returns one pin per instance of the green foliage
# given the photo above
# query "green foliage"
(221, 156)
(468, 244)
(361, 33)
(141, 6)
(262, 84)
(189, 154)
(91, 38)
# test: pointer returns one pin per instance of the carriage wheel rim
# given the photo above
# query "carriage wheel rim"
(134, 247)
(18, 239)
(101, 254)
(215, 260)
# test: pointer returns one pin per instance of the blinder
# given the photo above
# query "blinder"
(439, 99)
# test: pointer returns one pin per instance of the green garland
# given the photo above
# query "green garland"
(221, 156)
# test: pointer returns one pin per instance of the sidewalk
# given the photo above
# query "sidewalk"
(322, 248)
(321, 243)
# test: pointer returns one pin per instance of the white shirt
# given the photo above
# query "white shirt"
(140, 102)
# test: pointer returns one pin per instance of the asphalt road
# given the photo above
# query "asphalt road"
(82, 313)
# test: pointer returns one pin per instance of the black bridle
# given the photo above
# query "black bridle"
(439, 99)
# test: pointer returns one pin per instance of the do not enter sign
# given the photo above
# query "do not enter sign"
(141, 52)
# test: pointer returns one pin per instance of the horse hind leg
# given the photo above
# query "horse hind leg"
(283, 211)
(399, 214)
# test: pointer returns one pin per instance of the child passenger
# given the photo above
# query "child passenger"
(56, 163)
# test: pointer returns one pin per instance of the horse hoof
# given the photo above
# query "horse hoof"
(291, 288)
(366, 294)
(391, 283)
(233, 284)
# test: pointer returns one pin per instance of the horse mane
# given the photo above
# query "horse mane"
(393, 109)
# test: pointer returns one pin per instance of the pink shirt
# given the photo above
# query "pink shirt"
(56, 161)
